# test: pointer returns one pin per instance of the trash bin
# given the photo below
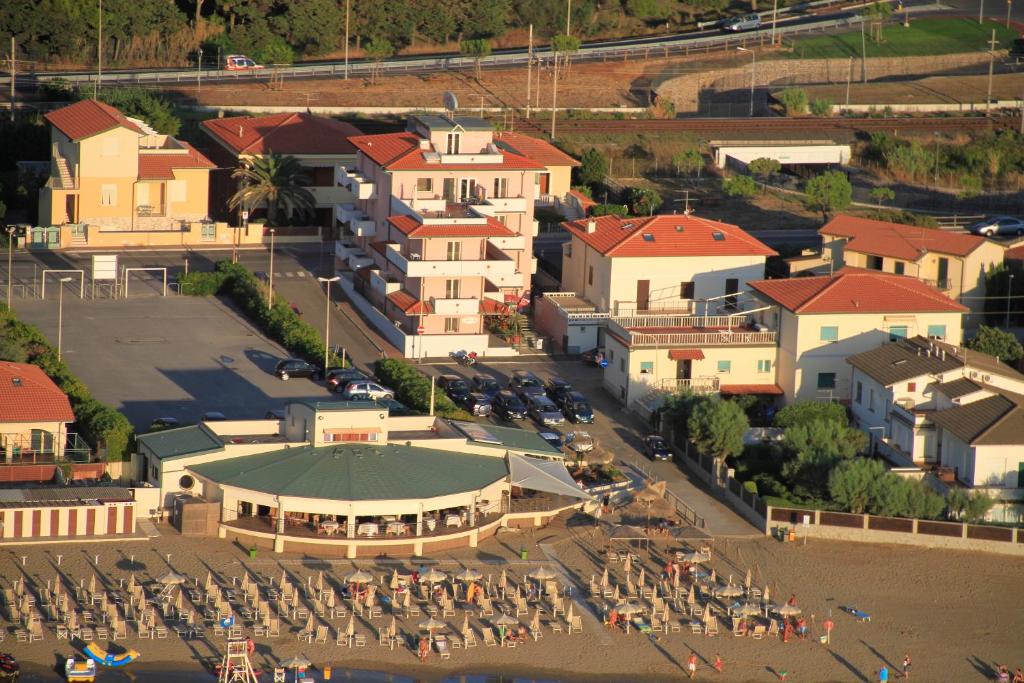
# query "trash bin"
(792, 535)
(538, 343)
(252, 553)
(522, 553)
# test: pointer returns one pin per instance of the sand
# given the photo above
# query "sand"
(957, 614)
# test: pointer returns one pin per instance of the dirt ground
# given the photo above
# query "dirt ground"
(933, 90)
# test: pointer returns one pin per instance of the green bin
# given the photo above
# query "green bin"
(252, 553)
(522, 553)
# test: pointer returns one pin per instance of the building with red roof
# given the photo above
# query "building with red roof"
(440, 232)
(954, 263)
(824, 320)
(34, 416)
(322, 145)
(114, 181)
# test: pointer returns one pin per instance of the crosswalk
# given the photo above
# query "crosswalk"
(290, 273)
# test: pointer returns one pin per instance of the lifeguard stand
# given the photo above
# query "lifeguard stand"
(236, 667)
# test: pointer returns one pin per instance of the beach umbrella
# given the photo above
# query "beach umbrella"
(730, 591)
(765, 593)
(330, 600)
(431, 624)
(394, 580)
(172, 579)
(604, 578)
(393, 628)
(92, 583)
(691, 597)
(788, 611)
(542, 574)
(746, 580)
(407, 599)
(615, 593)
(296, 662)
(350, 630)
(630, 608)
(627, 566)
(695, 557)
(505, 620)
(359, 576)
(433, 575)
(535, 622)
(714, 576)
(503, 581)
(320, 581)
(641, 577)
(468, 574)
(748, 609)
(465, 622)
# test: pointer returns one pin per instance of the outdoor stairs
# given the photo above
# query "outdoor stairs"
(528, 339)
(649, 403)
(67, 181)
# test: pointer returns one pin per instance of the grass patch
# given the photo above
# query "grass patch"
(922, 37)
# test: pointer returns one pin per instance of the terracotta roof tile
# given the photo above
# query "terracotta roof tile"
(288, 133)
(161, 166)
(667, 235)
(1015, 253)
(854, 290)
(534, 148)
(411, 227)
(896, 240)
(686, 354)
(738, 389)
(409, 304)
(28, 395)
(401, 152)
(88, 117)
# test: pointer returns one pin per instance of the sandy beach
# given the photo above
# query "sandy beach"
(958, 615)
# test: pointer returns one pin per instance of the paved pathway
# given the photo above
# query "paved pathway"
(592, 625)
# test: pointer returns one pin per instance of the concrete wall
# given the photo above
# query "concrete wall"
(784, 154)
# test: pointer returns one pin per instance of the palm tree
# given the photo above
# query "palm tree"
(276, 180)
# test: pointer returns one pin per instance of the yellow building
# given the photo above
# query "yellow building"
(953, 263)
(113, 178)
(822, 321)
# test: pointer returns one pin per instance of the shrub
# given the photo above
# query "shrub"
(717, 427)
(739, 186)
(794, 101)
(593, 167)
(821, 106)
(200, 283)
(750, 487)
(829, 192)
(763, 166)
(643, 201)
(620, 210)
(413, 388)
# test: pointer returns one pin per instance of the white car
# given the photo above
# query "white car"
(579, 442)
(366, 391)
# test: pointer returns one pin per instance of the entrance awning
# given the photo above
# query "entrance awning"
(686, 354)
(741, 389)
(549, 476)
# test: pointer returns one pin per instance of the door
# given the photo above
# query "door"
(55, 522)
(545, 183)
(19, 520)
(71, 207)
(643, 295)
(37, 523)
(73, 522)
(684, 369)
(448, 190)
(112, 519)
(732, 286)
(129, 519)
(943, 273)
(90, 521)
(467, 189)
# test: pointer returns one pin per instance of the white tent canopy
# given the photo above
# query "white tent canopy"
(549, 476)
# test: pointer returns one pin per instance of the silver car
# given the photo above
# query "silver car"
(543, 410)
(998, 225)
(366, 390)
(748, 22)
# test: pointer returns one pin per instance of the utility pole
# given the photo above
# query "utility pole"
(568, 15)
(981, 10)
(270, 274)
(99, 56)
(13, 78)
(849, 77)
(775, 16)
(863, 53)
(199, 72)
(991, 67)
(347, 3)
(554, 94)
(529, 69)
(1009, 4)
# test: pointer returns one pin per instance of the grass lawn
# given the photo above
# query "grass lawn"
(922, 37)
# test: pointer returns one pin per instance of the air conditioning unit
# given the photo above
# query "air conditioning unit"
(986, 378)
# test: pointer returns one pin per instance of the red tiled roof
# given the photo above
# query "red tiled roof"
(667, 235)
(1015, 253)
(534, 148)
(854, 290)
(28, 395)
(161, 166)
(88, 117)
(737, 389)
(686, 354)
(408, 304)
(288, 133)
(585, 201)
(895, 240)
(401, 152)
(413, 228)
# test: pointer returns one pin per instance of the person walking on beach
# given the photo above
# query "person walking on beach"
(691, 666)
(906, 666)
(883, 674)
(718, 663)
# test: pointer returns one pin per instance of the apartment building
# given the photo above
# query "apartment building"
(554, 183)
(440, 235)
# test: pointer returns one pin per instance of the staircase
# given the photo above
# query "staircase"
(528, 338)
(67, 181)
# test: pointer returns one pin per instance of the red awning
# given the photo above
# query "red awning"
(738, 389)
(686, 354)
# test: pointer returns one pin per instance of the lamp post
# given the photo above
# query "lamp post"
(327, 316)
(270, 274)
(60, 315)
(10, 263)
(753, 68)
(199, 72)
(1009, 299)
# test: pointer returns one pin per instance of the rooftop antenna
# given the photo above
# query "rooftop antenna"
(451, 105)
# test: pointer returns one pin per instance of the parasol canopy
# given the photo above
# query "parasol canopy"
(359, 576)
(172, 579)
(542, 574)
(296, 662)
(469, 574)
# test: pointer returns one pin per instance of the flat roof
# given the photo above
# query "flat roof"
(333, 406)
(467, 123)
(357, 472)
(62, 495)
(181, 442)
(511, 438)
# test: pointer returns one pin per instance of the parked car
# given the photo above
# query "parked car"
(507, 405)
(544, 411)
(240, 63)
(576, 408)
(556, 388)
(655, 448)
(525, 383)
(594, 356)
(356, 391)
(579, 442)
(998, 225)
(748, 22)
(164, 423)
(477, 404)
(485, 384)
(553, 438)
(214, 416)
(338, 378)
(296, 367)
(453, 385)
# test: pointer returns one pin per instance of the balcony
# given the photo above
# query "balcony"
(516, 243)
(359, 224)
(456, 306)
(355, 183)
(943, 285)
(697, 385)
(666, 331)
(21, 449)
(495, 205)
(414, 267)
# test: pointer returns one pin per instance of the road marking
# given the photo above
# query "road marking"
(301, 273)
(289, 274)
(277, 274)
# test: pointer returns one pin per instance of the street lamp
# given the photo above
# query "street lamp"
(270, 275)
(60, 315)
(327, 317)
(10, 262)
(1009, 298)
(753, 67)
(199, 72)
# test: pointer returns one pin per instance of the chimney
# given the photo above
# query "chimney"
(591, 226)
(239, 131)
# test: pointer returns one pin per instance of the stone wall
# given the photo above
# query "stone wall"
(684, 91)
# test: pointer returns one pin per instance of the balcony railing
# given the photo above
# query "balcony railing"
(22, 449)
(698, 385)
(720, 338)
(943, 285)
(413, 267)
(359, 224)
(355, 183)
(692, 331)
(466, 306)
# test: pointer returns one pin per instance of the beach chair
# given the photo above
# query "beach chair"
(62, 632)
(469, 638)
(160, 632)
(321, 635)
(489, 639)
(486, 608)
(441, 642)
(736, 627)
(342, 639)
(860, 615)
(102, 633)
(360, 640)
(613, 556)
(711, 628)
(274, 630)
(279, 674)
(576, 625)
(521, 607)
(657, 626)
(773, 628)
(21, 635)
(758, 632)
(144, 630)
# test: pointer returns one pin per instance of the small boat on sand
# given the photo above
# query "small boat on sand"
(76, 671)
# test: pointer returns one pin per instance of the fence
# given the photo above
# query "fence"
(877, 529)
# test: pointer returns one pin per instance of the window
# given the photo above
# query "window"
(451, 289)
(451, 324)
(177, 191)
(724, 366)
(503, 219)
(611, 355)
(859, 396)
(186, 482)
(912, 387)
(424, 184)
(590, 275)
(897, 332)
(111, 147)
(829, 333)
(874, 262)
(453, 252)
(622, 365)
(937, 331)
(452, 147)
(108, 195)
(898, 267)
(871, 400)
(209, 233)
(41, 441)
(500, 187)
(764, 366)
(646, 367)
(686, 290)
(826, 380)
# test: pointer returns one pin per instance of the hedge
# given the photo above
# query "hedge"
(413, 389)
(279, 322)
(99, 424)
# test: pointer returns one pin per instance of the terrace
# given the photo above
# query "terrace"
(665, 331)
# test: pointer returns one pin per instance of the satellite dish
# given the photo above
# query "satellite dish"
(451, 103)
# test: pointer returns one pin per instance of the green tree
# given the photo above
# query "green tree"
(477, 48)
(689, 162)
(805, 412)
(794, 101)
(829, 192)
(646, 9)
(377, 50)
(314, 26)
(816, 447)
(593, 167)
(643, 201)
(850, 483)
(877, 13)
(717, 426)
(564, 47)
(484, 18)
(978, 505)
(620, 210)
(739, 186)
(996, 342)
(278, 181)
(152, 107)
(821, 106)
(13, 350)
(764, 167)
(882, 194)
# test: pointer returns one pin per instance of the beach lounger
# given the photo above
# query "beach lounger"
(360, 640)
(736, 628)
(469, 639)
(773, 628)
(62, 632)
(674, 626)
(275, 628)
(21, 635)
(861, 615)
(576, 625)
(556, 626)
(321, 634)
(758, 632)
(442, 647)
(711, 628)
(489, 639)
(279, 674)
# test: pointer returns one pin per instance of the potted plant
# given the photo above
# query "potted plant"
(514, 328)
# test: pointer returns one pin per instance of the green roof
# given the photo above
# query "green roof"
(511, 438)
(177, 443)
(329, 406)
(357, 472)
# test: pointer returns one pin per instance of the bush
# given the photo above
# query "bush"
(750, 487)
(620, 210)
(200, 283)
(821, 106)
(413, 388)
(794, 101)
(996, 342)
(717, 427)
(739, 186)
(593, 167)
(643, 201)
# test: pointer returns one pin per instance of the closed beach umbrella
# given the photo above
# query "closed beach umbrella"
(641, 577)
(468, 574)
(206, 585)
(172, 579)
(296, 662)
(245, 581)
(179, 601)
(535, 622)
(504, 620)
(788, 611)
(310, 624)
(664, 613)
(570, 615)
(503, 580)
(407, 599)
(394, 580)
(92, 583)
(708, 616)
(371, 592)
(542, 574)
(675, 579)
(604, 578)
(746, 581)
(330, 600)
(465, 623)
(393, 628)
(284, 578)
(627, 566)
(359, 576)
(295, 598)
(615, 593)
(320, 581)
(350, 630)
(691, 597)
(630, 608)
(765, 593)
(433, 575)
